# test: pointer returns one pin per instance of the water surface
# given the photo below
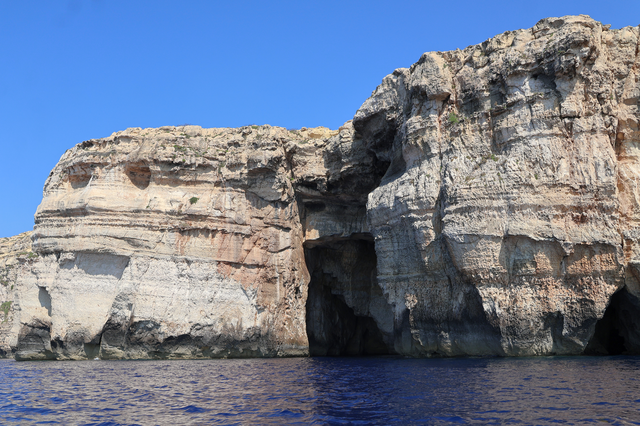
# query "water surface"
(340, 391)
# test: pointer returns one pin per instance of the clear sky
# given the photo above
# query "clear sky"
(72, 70)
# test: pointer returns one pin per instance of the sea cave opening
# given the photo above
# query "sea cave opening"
(345, 305)
(616, 332)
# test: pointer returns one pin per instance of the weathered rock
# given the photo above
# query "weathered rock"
(482, 202)
(170, 242)
(508, 216)
(15, 253)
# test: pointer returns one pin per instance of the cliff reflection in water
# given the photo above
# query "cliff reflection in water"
(323, 391)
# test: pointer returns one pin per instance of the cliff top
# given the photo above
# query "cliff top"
(12, 246)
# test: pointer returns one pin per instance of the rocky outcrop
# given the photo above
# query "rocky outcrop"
(15, 254)
(170, 242)
(481, 202)
(508, 217)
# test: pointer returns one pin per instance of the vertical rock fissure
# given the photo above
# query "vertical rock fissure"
(343, 297)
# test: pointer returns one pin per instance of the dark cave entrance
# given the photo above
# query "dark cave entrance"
(343, 293)
(616, 331)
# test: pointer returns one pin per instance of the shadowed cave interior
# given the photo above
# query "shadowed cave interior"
(617, 332)
(342, 293)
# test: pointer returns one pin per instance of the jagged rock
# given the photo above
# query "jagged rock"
(481, 202)
(15, 254)
(508, 214)
(171, 242)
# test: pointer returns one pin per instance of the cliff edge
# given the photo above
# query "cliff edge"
(481, 202)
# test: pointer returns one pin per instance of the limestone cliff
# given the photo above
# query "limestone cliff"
(482, 202)
(178, 242)
(508, 217)
(15, 254)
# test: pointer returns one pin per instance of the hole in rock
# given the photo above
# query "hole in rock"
(609, 335)
(139, 174)
(79, 178)
(45, 299)
(345, 304)
(91, 350)
(309, 185)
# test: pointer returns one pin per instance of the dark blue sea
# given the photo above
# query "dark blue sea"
(332, 391)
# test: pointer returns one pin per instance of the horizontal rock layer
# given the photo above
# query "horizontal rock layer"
(482, 202)
(15, 254)
(508, 216)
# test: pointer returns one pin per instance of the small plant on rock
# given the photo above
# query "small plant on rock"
(4, 307)
(193, 200)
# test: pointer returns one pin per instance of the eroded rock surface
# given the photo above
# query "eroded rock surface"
(508, 216)
(170, 242)
(482, 202)
(15, 254)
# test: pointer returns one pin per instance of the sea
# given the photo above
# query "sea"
(324, 391)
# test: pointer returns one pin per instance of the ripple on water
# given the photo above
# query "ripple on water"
(577, 390)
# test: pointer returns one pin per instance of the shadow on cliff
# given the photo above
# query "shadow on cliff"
(618, 332)
(344, 301)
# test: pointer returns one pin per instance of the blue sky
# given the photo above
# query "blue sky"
(72, 70)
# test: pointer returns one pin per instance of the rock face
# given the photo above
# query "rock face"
(482, 202)
(171, 242)
(508, 217)
(15, 254)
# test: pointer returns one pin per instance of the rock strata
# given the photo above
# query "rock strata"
(15, 255)
(481, 202)
(170, 242)
(507, 219)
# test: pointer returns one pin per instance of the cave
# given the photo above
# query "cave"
(45, 299)
(78, 177)
(344, 298)
(617, 332)
(139, 174)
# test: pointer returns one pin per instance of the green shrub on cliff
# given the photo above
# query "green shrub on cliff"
(5, 308)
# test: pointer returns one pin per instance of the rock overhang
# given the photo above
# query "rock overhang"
(496, 183)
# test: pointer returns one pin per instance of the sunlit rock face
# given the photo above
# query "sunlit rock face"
(15, 255)
(170, 242)
(188, 242)
(482, 202)
(509, 214)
